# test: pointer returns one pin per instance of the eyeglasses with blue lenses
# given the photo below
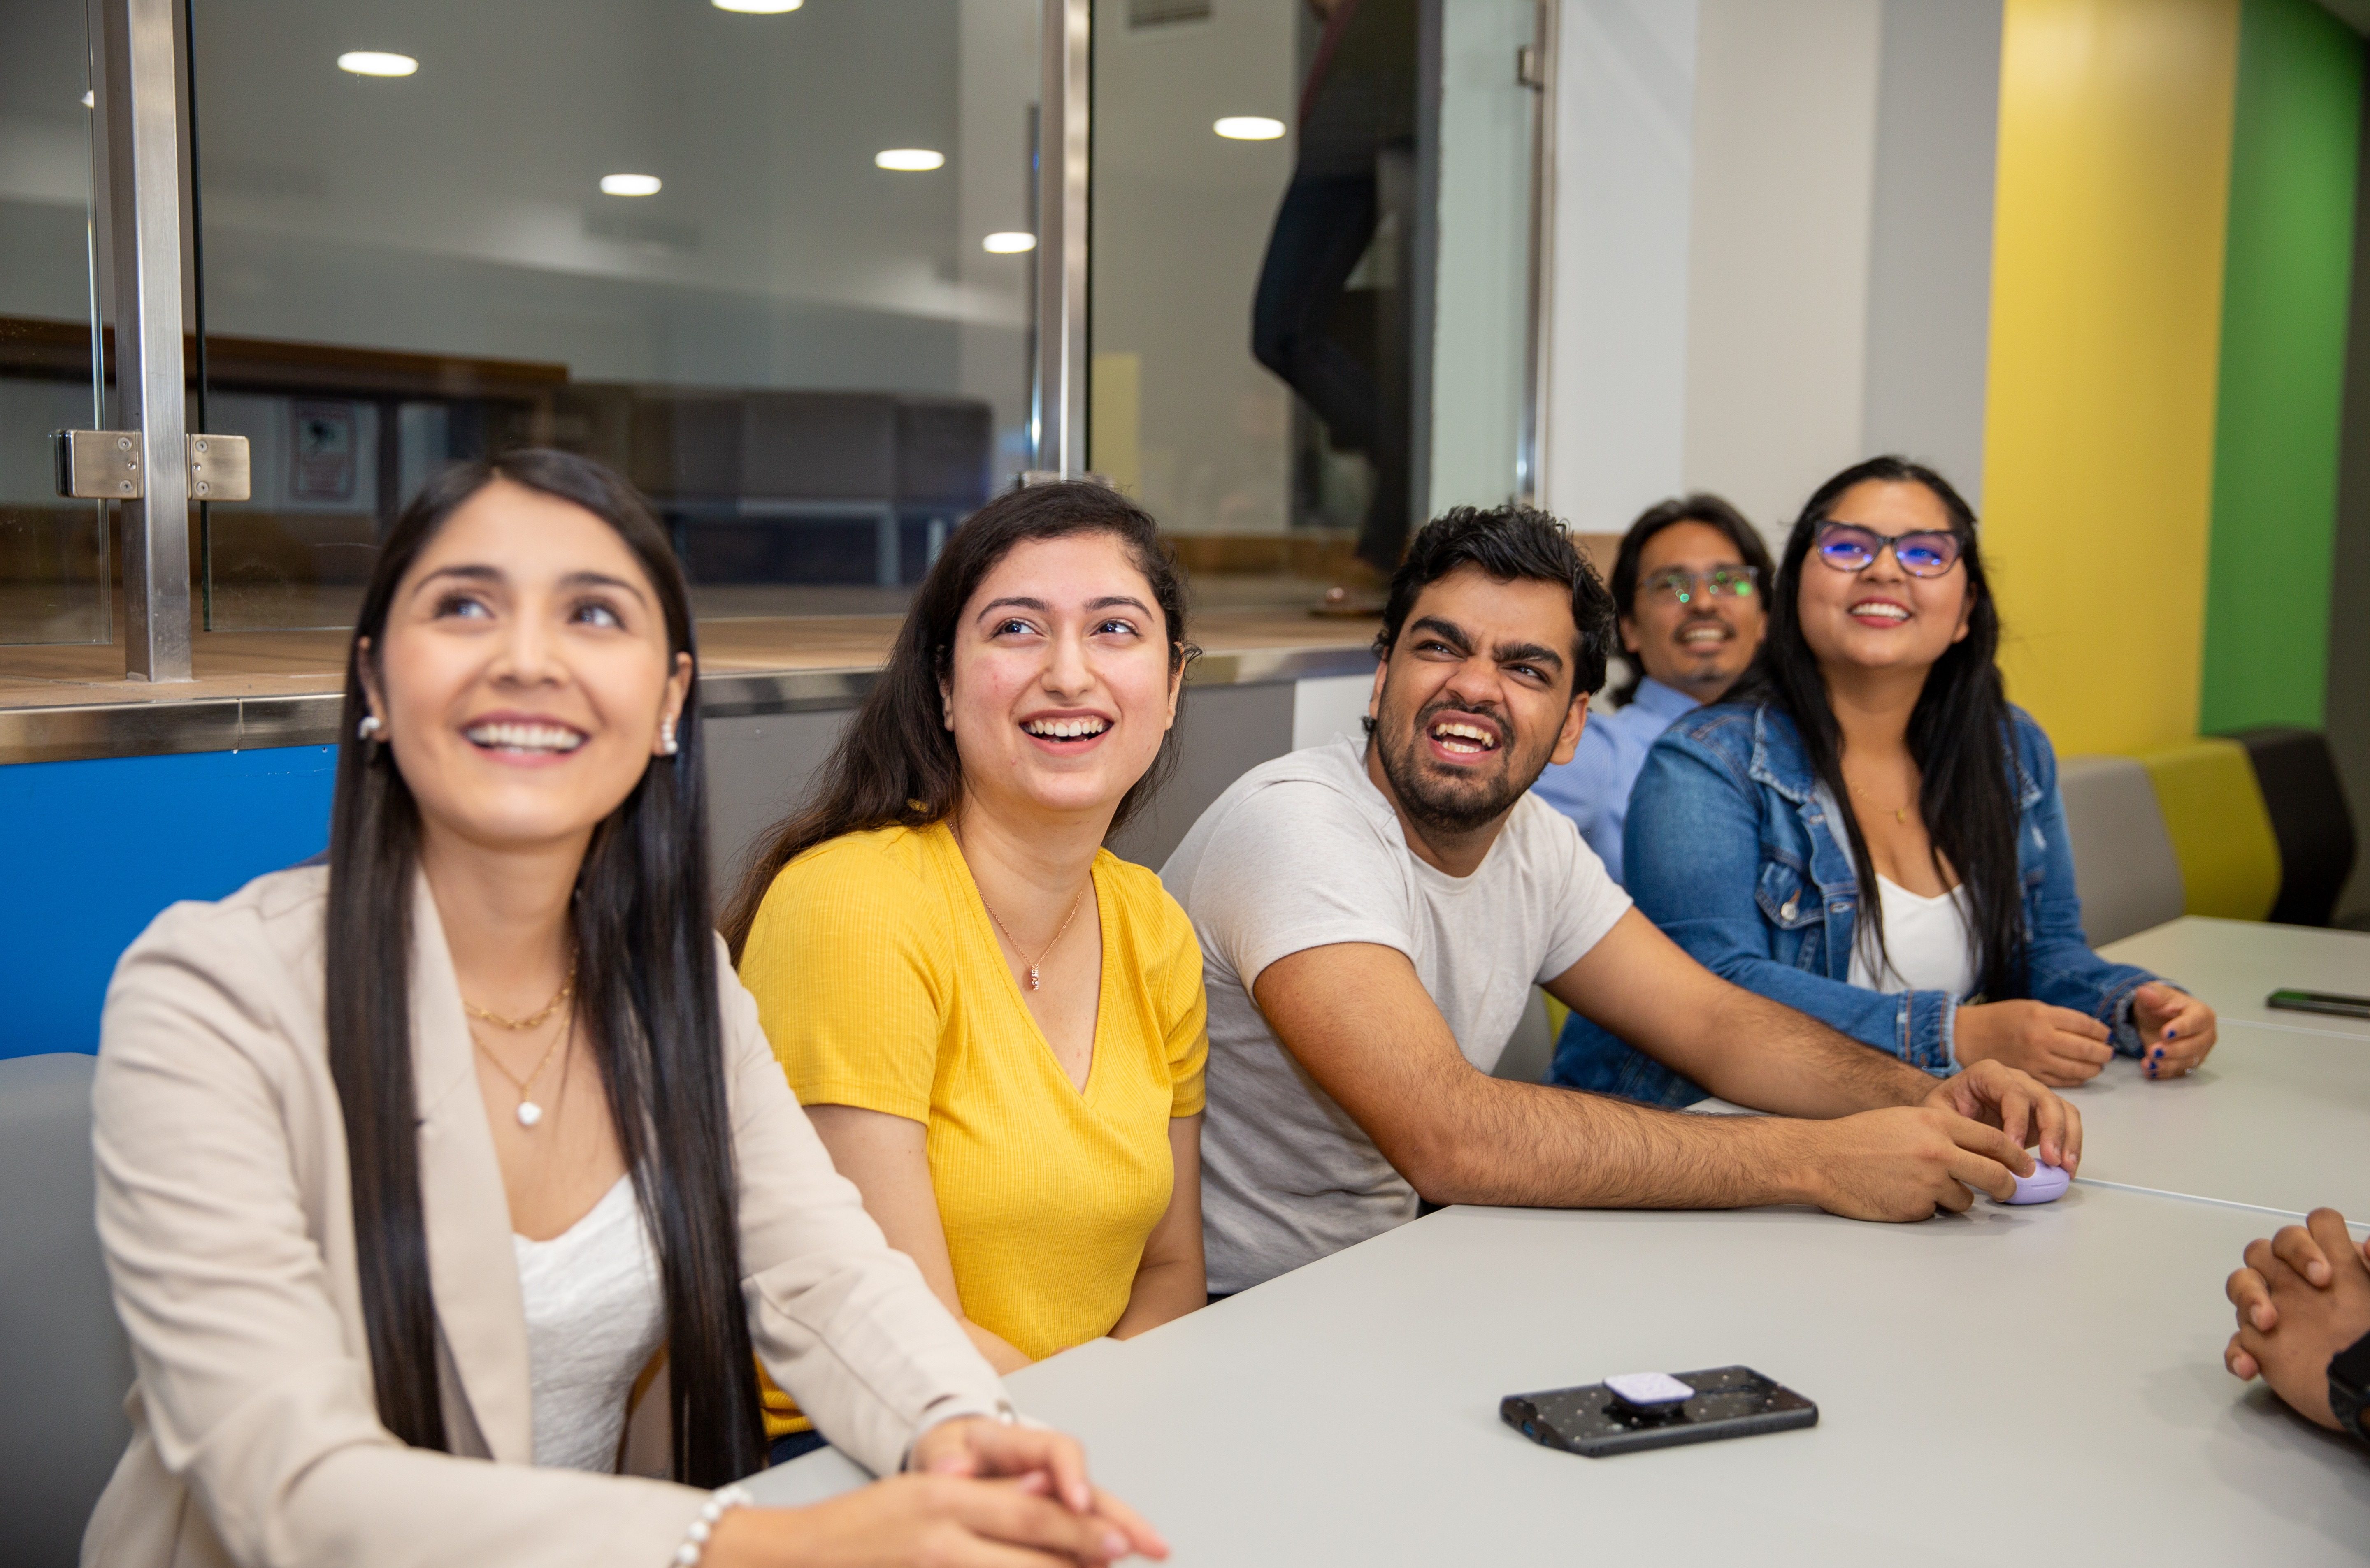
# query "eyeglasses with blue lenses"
(1847, 547)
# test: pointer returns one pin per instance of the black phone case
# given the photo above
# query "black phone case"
(2327, 1002)
(1729, 1402)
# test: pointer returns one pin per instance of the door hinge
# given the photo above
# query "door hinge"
(104, 465)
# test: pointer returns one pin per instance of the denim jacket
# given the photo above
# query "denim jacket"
(1733, 852)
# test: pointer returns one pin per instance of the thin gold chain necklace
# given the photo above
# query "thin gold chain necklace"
(1075, 903)
(529, 1112)
(567, 989)
(1900, 813)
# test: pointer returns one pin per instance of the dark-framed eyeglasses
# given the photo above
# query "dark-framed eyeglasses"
(1848, 547)
(1678, 587)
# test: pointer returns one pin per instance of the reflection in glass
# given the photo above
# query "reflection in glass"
(55, 581)
(1481, 328)
(1268, 202)
(1311, 312)
(779, 319)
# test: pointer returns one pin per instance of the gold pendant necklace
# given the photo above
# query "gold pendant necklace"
(1900, 813)
(529, 1112)
(1032, 967)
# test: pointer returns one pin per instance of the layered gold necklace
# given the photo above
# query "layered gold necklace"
(529, 1112)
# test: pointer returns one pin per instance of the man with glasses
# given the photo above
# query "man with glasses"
(1373, 916)
(1689, 585)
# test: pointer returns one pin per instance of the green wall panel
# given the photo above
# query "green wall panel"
(2285, 296)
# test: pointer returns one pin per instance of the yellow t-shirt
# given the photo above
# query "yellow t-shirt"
(880, 985)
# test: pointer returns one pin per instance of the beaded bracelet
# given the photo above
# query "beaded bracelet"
(720, 1503)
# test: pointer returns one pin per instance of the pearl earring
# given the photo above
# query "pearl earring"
(370, 729)
(666, 738)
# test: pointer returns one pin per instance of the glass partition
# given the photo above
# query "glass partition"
(1311, 264)
(55, 581)
(773, 262)
(1252, 308)
(1480, 370)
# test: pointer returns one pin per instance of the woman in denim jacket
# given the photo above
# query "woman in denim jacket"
(1880, 688)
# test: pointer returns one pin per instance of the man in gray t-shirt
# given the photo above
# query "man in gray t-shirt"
(1372, 917)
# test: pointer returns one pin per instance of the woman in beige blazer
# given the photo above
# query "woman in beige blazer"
(467, 1145)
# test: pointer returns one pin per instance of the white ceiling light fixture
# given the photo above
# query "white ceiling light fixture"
(758, 7)
(630, 185)
(1248, 127)
(1009, 243)
(910, 160)
(371, 62)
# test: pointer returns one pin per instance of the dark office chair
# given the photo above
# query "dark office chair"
(63, 1363)
(2309, 818)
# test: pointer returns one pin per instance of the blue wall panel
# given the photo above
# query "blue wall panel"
(91, 851)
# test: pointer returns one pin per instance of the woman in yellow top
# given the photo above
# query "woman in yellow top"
(996, 1023)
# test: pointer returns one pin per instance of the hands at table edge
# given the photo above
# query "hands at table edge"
(2176, 1029)
(2064, 1047)
(975, 1492)
(2303, 1296)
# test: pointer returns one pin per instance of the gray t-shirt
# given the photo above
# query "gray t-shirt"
(1303, 852)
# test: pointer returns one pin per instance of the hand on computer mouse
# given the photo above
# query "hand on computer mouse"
(2001, 1097)
(2303, 1296)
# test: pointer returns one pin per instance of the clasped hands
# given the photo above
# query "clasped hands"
(2303, 1296)
(976, 1493)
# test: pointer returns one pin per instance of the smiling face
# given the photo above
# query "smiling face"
(524, 674)
(1476, 698)
(1701, 646)
(1059, 688)
(1882, 618)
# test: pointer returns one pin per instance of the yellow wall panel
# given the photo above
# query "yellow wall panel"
(2114, 162)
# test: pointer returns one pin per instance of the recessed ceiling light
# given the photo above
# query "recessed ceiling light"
(370, 63)
(910, 160)
(1009, 243)
(1248, 127)
(90, 100)
(759, 8)
(629, 185)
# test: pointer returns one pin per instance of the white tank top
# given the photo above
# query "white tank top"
(594, 1317)
(1928, 943)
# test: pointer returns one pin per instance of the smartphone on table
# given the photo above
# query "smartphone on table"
(1657, 1410)
(2336, 1004)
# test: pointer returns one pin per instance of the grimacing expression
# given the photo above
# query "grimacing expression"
(1059, 687)
(1883, 618)
(1476, 698)
(523, 676)
(1699, 647)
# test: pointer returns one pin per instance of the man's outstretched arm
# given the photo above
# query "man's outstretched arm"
(1357, 1017)
(1643, 986)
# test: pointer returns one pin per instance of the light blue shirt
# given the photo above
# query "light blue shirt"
(1593, 789)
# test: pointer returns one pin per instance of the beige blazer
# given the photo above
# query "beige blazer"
(224, 1206)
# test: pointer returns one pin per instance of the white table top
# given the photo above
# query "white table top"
(1993, 1386)
(2274, 1119)
(2233, 964)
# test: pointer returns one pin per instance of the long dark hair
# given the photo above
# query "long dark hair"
(1959, 732)
(896, 762)
(646, 995)
(1699, 507)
